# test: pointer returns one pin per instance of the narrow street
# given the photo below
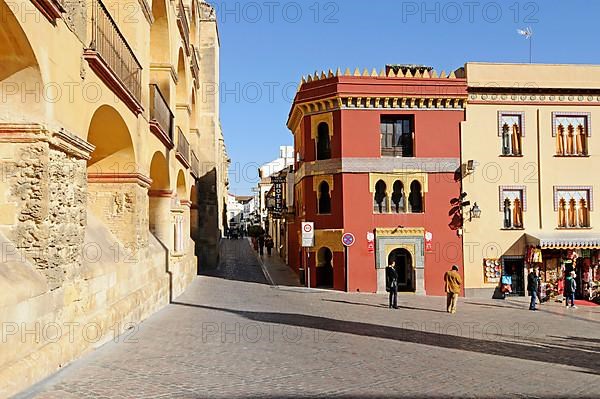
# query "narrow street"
(232, 335)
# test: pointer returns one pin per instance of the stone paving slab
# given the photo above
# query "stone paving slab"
(229, 336)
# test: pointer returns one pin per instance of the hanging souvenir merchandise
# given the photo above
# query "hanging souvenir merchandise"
(492, 270)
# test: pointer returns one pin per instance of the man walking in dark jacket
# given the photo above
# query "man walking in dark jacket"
(533, 283)
(570, 288)
(391, 284)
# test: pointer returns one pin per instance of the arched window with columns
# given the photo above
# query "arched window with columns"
(380, 199)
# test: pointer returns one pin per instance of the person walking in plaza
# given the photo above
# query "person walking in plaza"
(269, 244)
(570, 288)
(533, 284)
(261, 244)
(391, 284)
(453, 282)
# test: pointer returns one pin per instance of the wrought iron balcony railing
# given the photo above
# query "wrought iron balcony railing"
(161, 117)
(183, 148)
(195, 61)
(110, 54)
(184, 26)
(195, 165)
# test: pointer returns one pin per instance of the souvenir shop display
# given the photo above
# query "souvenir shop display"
(492, 270)
(555, 264)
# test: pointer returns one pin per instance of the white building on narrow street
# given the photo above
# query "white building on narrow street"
(285, 160)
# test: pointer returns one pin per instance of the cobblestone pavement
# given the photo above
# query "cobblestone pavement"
(226, 337)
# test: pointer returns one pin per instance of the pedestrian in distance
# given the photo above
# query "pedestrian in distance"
(453, 283)
(261, 244)
(533, 284)
(570, 288)
(391, 284)
(269, 244)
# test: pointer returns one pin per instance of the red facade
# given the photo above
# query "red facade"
(359, 107)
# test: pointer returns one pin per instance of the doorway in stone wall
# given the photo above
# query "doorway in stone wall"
(404, 268)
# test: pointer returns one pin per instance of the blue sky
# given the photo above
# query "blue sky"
(266, 47)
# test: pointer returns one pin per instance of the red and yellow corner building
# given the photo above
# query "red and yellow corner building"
(377, 155)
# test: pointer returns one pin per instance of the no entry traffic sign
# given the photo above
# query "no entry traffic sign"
(348, 239)
(308, 234)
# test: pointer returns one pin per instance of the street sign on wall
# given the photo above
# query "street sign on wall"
(308, 234)
(348, 239)
(428, 241)
(370, 242)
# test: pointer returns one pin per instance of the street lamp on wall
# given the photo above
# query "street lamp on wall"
(474, 212)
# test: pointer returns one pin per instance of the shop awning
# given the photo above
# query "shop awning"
(570, 242)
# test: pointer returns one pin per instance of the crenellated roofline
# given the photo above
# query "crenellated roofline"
(387, 89)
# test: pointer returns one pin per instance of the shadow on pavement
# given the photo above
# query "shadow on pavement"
(588, 361)
(541, 308)
(382, 306)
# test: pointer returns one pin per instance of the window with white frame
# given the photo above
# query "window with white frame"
(512, 205)
(573, 205)
(571, 132)
(511, 131)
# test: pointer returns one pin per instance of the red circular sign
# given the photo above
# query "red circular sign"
(348, 239)
(307, 228)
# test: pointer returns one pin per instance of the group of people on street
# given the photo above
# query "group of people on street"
(234, 234)
(534, 286)
(452, 286)
(265, 240)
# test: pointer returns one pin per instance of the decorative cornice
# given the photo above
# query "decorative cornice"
(72, 145)
(165, 67)
(390, 165)
(58, 138)
(549, 97)
(120, 178)
(160, 193)
(374, 103)
(400, 231)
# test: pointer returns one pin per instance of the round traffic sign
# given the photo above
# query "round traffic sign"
(307, 228)
(348, 239)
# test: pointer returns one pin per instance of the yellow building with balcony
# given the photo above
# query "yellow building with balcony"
(529, 160)
(111, 151)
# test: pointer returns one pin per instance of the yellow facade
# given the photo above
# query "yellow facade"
(109, 118)
(535, 94)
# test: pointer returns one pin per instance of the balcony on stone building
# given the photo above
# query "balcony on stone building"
(110, 56)
(195, 64)
(161, 117)
(195, 165)
(51, 9)
(184, 26)
(183, 148)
